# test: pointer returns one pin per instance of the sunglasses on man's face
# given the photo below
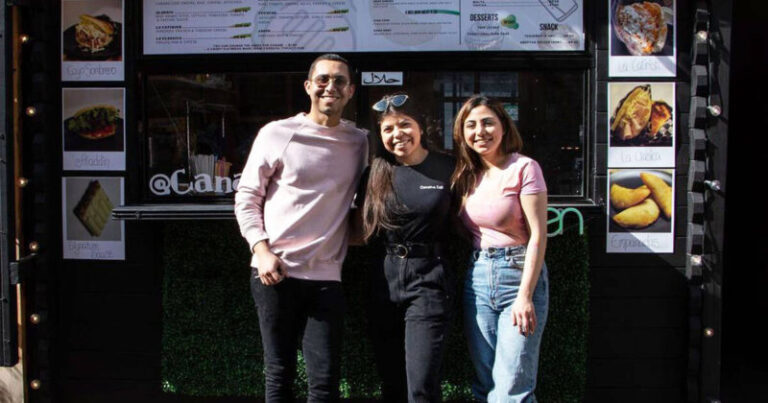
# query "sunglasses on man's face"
(322, 80)
(394, 100)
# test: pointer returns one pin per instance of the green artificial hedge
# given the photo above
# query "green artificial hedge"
(211, 346)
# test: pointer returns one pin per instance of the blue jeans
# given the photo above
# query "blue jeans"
(505, 361)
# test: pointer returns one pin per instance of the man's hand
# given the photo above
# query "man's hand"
(268, 264)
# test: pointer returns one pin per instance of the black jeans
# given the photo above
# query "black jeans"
(312, 311)
(412, 305)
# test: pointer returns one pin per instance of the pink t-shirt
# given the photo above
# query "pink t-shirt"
(492, 212)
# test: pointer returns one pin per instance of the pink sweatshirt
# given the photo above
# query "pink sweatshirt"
(296, 190)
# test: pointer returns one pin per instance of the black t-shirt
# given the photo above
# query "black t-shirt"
(424, 192)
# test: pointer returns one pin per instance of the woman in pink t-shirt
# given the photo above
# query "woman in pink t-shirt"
(504, 208)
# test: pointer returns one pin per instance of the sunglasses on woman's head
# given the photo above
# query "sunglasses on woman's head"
(394, 100)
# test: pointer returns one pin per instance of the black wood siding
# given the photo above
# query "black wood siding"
(639, 303)
(108, 330)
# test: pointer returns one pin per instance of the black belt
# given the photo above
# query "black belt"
(410, 249)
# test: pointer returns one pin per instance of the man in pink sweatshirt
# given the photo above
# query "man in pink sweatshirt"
(291, 204)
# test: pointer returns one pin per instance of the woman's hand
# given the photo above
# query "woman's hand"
(524, 315)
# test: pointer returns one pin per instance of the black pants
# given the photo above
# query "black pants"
(411, 306)
(312, 311)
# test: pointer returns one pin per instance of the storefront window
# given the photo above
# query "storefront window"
(548, 108)
(200, 127)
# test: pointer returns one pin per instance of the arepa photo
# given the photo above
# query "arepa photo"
(93, 119)
(92, 30)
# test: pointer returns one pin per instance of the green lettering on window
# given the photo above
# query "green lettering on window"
(556, 217)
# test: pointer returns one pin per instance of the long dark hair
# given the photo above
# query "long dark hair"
(381, 205)
(468, 162)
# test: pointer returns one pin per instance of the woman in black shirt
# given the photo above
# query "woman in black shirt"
(407, 203)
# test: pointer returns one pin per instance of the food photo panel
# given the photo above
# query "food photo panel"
(92, 40)
(90, 233)
(642, 38)
(641, 211)
(641, 124)
(93, 129)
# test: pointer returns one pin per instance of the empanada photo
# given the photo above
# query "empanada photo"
(622, 197)
(660, 192)
(639, 216)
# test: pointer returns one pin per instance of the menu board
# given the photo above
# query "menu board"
(258, 26)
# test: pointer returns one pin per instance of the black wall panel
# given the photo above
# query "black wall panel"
(109, 321)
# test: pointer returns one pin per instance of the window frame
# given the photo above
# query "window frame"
(143, 66)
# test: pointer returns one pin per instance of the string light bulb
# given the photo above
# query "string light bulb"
(713, 184)
(696, 260)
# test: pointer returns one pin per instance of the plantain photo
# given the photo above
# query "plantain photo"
(641, 200)
(641, 114)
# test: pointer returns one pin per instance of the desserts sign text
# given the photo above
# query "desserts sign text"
(164, 185)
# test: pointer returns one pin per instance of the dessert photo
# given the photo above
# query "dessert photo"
(92, 30)
(94, 208)
(641, 114)
(642, 28)
(641, 200)
(88, 208)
